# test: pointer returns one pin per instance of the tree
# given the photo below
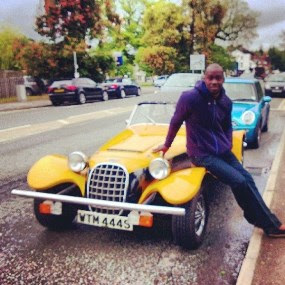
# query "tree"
(220, 55)
(8, 37)
(239, 23)
(75, 19)
(277, 58)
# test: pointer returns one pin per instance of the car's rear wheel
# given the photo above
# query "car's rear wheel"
(56, 103)
(81, 98)
(29, 92)
(188, 231)
(105, 96)
(56, 222)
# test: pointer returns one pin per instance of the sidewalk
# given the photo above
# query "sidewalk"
(24, 105)
(264, 263)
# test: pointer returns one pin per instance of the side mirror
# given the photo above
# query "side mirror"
(267, 99)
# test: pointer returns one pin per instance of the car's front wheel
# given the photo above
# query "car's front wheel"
(55, 222)
(81, 98)
(139, 92)
(256, 142)
(122, 94)
(188, 231)
(105, 96)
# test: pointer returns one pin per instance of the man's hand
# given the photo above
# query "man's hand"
(161, 148)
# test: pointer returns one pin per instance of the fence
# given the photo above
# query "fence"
(8, 86)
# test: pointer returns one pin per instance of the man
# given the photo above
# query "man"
(206, 111)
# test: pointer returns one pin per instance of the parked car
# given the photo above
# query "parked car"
(77, 90)
(160, 80)
(31, 85)
(179, 82)
(251, 108)
(124, 184)
(121, 87)
(275, 84)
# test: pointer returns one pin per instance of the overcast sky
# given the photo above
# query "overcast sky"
(21, 14)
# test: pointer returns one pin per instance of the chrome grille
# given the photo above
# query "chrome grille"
(108, 181)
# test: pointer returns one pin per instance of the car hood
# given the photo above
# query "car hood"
(133, 147)
(240, 108)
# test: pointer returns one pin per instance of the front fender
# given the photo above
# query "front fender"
(52, 170)
(179, 187)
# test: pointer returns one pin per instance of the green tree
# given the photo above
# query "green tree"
(220, 55)
(277, 58)
(8, 37)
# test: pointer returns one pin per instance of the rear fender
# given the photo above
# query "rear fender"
(179, 187)
(53, 170)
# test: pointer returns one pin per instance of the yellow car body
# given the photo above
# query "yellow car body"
(116, 188)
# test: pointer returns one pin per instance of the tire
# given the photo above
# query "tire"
(122, 94)
(185, 232)
(56, 103)
(256, 142)
(81, 98)
(265, 127)
(105, 96)
(56, 222)
(29, 92)
(139, 92)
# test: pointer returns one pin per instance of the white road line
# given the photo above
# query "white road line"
(64, 122)
(15, 128)
(282, 105)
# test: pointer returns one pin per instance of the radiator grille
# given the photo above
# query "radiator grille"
(108, 182)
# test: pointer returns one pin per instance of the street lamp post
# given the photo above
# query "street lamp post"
(76, 74)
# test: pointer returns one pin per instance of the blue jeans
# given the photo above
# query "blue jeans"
(228, 169)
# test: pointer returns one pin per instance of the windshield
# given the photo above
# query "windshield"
(152, 113)
(61, 83)
(240, 91)
(276, 78)
(182, 80)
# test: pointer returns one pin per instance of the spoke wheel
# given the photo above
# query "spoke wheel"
(105, 96)
(123, 94)
(189, 230)
(81, 98)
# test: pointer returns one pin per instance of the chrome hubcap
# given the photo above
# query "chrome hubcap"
(200, 216)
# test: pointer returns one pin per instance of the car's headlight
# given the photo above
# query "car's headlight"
(159, 168)
(248, 117)
(77, 161)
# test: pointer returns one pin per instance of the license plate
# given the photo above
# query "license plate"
(277, 90)
(104, 220)
(59, 90)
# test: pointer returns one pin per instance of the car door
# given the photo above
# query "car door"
(129, 86)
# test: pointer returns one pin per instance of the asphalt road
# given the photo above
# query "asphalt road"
(30, 254)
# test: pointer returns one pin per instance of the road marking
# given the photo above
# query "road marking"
(15, 128)
(28, 130)
(63, 122)
(282, 105)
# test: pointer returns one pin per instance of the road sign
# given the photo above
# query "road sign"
(197, 62)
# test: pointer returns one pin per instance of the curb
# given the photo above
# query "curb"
(249, 263)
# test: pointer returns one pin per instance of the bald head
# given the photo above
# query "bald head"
(214, 67)
(214, 79)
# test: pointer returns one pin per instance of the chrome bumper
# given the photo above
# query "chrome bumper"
(177, 211)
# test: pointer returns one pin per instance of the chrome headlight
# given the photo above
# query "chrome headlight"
(159, 168)
(248, 117)
(77, 161)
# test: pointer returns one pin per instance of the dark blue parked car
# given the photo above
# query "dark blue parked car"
(250, 108)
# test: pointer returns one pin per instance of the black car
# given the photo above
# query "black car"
(77, 90)
(120, 87)
(275, 84)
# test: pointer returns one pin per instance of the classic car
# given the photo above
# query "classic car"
(251, 108)
(78, 90)
(124, 184)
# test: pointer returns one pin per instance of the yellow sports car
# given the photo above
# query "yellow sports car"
(124, 184)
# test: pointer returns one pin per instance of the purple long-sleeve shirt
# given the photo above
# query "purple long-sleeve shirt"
(208, 121)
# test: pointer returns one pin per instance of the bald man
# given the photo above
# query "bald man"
(206, 111)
